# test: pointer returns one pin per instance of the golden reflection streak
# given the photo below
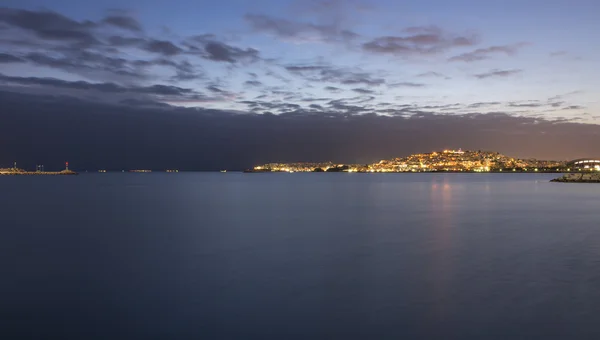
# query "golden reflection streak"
(441, 269)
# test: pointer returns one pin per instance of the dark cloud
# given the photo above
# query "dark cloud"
(363, 91)
(49, 25)
(253, 83)
(346, 106)
(420, 40)
(333, 89)
(8, 58)
(97, 66)
(322, 73)
(309, 68)
(166, 90)
(340, 106)
(353, 78)
(310, 100)
(88, 64)
(162, 90)
(298, 31)
(92, 135)
(574, 107)
(163, 47)
(221, 52)
(53, 26)
(351, 106)
(482, 104)
(209, 48)
(262, 106)
(218, 90)
(406, 84)
(123, 22)
(91, 50)
(81, 85)
(498, 73)
(156, 95)
(486, 53)
(280, 91)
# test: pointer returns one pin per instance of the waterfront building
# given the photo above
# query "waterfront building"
(585, 164)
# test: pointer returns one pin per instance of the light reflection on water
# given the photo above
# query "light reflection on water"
(441, 204)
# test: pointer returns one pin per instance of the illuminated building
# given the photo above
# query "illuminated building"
(585, 164)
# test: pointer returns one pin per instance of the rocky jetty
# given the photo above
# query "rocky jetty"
(579, 178)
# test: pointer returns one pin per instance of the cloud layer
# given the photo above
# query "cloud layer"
(92, 135)
(317, 72)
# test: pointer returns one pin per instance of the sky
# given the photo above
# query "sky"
(277, 80)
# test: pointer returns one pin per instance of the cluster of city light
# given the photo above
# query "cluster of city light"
(295, 167)
(6, 170)
(446, 160)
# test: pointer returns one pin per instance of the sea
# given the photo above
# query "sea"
(299, 256)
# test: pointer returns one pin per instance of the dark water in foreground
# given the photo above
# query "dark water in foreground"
(299, 256)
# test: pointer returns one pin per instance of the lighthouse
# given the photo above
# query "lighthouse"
(66, 166)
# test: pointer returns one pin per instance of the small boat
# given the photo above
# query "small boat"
(223, 170)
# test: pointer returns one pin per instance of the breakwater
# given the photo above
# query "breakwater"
(579, 178)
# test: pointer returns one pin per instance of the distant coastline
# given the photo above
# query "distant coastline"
(21, 172)
(446, 161)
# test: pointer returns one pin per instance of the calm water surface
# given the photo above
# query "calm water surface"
(299, 256)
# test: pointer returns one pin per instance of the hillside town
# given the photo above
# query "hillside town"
(442, 161)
